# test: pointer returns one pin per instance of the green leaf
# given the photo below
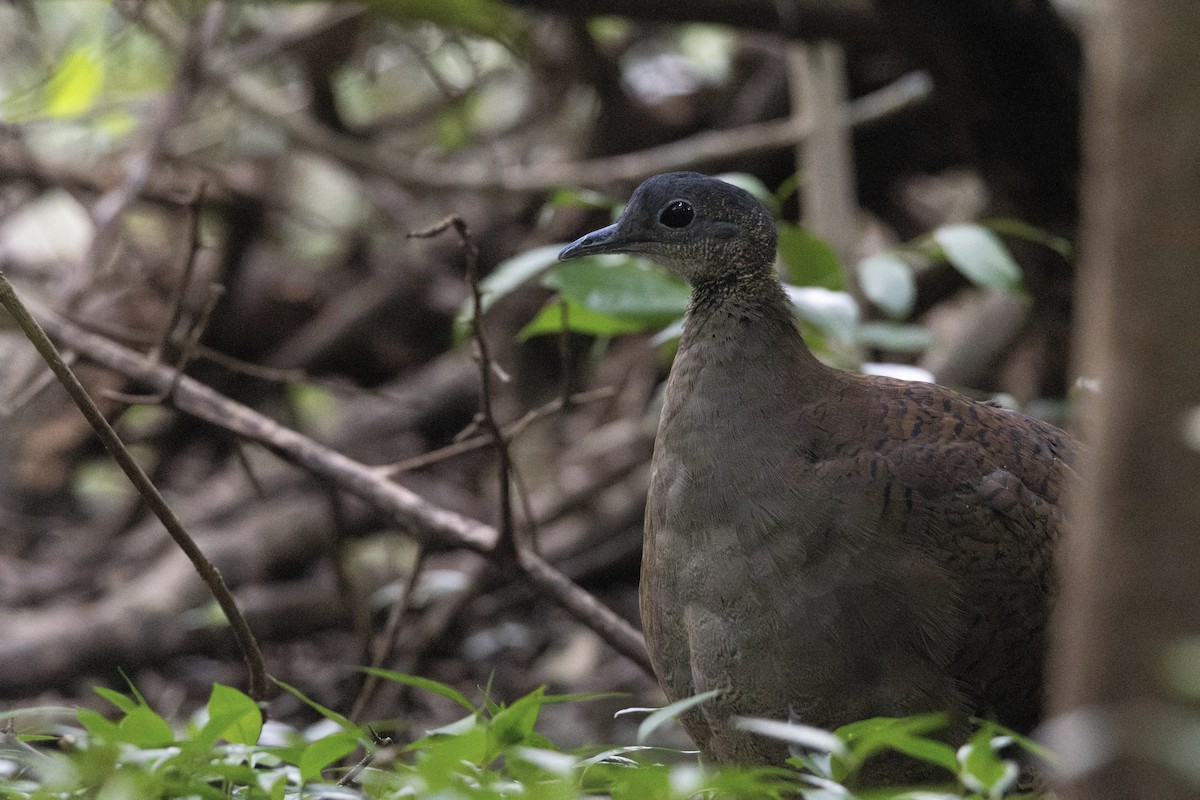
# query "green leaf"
(575, 197)
(141, 726)
(96, 725)
(323, 752)
(441, 757)
(74, 87)
(894, 337)
(904, 734)
(579, 320)
(514, 724)
(233, 716)
(555, 699)
(313, 704)
(651, 723)
(36, 713)
(516, 271)
(809, 259)
(1018, 229)
(315, 406)
(976, 252)
(621, 287)
(887, 281)
(428, 685)
(791, 184)
(981, 768)
(793, 733)
(833, 313)
(116, 698)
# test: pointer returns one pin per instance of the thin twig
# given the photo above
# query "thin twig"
(185, 279)
(507, 543)
(437, 526)
(584, 606)
(380, 743)
(431, 524)
(383, 644)
(579, 602)
(510, 432)
(259, 97)
(208, 572)
(107, 211)
(215, 292)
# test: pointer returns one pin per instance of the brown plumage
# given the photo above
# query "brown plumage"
(821, 545)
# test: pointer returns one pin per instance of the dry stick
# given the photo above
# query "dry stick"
(380, 743)
(259, 97)
(510, 431)
(579, 602)
(189, 269)
(431, 524)
(107, 211)
(207, 570)
(434, 525)
(385, 643)
(507, 543)
(215, 292)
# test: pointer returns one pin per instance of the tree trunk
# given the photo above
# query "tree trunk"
(1124, 692)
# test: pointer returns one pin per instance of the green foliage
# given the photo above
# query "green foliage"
(887, 281)
(493, 752)
(84, 69)
(810, 261)
(975, 251)
(606, 296)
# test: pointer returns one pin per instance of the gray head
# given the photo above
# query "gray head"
(703, 229)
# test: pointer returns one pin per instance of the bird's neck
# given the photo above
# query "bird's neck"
(746, 326)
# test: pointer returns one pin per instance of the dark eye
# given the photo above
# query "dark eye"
(677, 215)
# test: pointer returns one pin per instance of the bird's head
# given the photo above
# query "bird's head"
(703, 229)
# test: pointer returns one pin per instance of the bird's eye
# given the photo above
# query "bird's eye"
(677, 215)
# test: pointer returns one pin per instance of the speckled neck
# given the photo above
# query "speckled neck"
(746, 289)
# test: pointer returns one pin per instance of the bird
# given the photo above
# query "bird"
(823, 546)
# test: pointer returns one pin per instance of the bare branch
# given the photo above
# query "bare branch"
(245, 638)
(434, 525)
(259, 97)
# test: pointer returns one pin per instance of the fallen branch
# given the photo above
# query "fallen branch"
(435, 526)
(432, 525)
(150, 494)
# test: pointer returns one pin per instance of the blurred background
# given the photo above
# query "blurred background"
(231, 188)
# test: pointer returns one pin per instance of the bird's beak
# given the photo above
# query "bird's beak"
(604, 240)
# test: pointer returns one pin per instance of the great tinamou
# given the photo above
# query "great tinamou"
(823, 546)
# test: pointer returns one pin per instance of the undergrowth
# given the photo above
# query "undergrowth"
(493, 751)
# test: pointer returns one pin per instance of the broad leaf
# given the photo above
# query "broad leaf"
(894, 336)
(75, 86)
(651, 723)
(418, 682)
(621, 287)
(232, 716)
(145, 728)
(887, 281)
(982, 259)
(323, 752)
(809, 259)
(578, 319)
(833, 313)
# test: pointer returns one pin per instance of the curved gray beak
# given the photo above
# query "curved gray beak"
(602, 241)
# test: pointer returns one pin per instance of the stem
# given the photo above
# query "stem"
(137, 476)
